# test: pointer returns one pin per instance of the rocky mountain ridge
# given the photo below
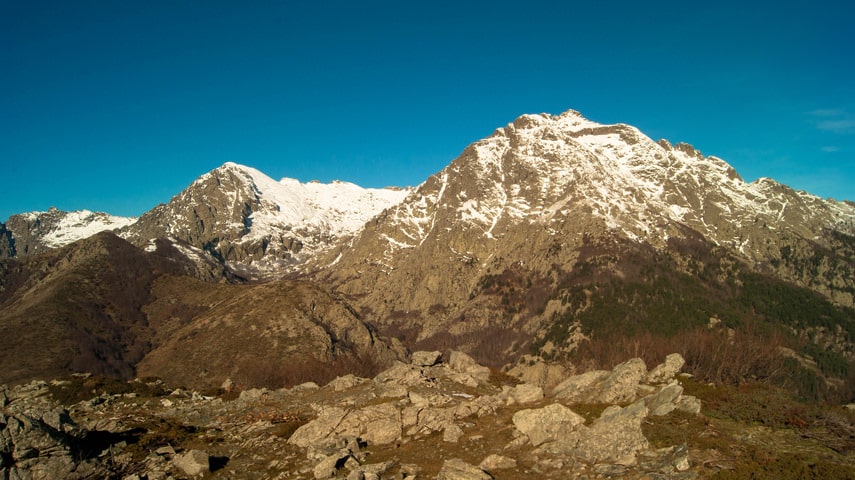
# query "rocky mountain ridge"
(235, 214)
(549, 206)
(34, 232)
(258, 226)
(531, 239)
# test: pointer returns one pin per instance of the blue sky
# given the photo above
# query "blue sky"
(117, 106)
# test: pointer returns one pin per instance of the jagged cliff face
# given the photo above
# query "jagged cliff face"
(35, 232)
(258, 226)
(546, 195)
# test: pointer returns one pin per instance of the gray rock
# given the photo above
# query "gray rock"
(402, 374)
(457, 469)
(376, 424)
(525, 393)
(252, 394)
(535, 371)
(583, 388)
(304, 387)
(463, 363)
(330, 465)
(433, 420)
(355, 475)
(615, 437)
(378, 469)
(622, 383)
(497, 462)
(665, 400)
(167, 450)
(318, 429)
(425, 359)
(343, 383)
(31, 448)
(192, 463)
(667, 370)
(452, 433)
(548, 423)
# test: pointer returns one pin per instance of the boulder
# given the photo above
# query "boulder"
(402, 374)
(689, 404)
(31, 447)
(433, 420)
(667, 370)
(330, 465)
(548, 423)
(376, 424)
(452, 433)
(463, 363)
(343, 383)
(621, 384)
(497, 462)
(582, 388)
(525, 393)
(192, 463)
(318, 429)
(457, 469)
(615, 437)
(535, 371)
(665, 400)
(425, 359)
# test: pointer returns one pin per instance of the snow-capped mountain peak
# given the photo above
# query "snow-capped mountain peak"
(551, 171)
(261, 225)
(34, 232)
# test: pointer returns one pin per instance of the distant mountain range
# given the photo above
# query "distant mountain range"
(553, 230)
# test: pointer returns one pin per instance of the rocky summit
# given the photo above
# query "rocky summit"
(566, 299)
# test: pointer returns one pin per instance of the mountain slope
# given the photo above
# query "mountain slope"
(270, 334)
(103, 306)
(258, 226)
(77, 308)
(491, 249)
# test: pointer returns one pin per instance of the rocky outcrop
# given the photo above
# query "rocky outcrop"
(39, 440)
(435, 424)
(424, 407)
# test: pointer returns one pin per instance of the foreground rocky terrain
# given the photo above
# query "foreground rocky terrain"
(437, 416)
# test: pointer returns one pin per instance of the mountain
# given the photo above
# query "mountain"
(554, 247)
(103, 306)
(34, 232)
(555, 236)
(554, 223)
(77, 308)
(257, 226)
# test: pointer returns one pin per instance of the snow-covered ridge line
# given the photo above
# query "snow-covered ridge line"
(540, 168)
(339, 208)
(73, 226)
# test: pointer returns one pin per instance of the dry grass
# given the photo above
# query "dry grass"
(257, 372)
